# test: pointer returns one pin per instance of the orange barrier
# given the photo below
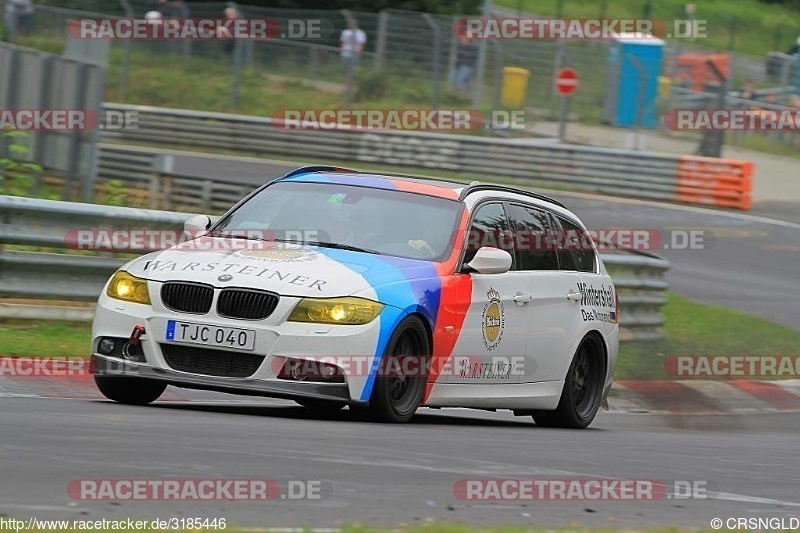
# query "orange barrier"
(717, 182)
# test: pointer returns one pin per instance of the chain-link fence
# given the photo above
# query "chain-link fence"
(409, 61)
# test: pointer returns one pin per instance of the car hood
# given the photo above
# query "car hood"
(286, 269)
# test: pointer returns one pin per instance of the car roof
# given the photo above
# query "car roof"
(441, 187)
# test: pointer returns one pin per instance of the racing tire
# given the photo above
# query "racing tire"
(130, 391)
(583, 389)
(396, 397)
(321, 406)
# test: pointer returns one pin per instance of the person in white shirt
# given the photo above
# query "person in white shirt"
(352, 43)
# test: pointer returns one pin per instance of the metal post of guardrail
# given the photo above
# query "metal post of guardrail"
(499, 61)
(237, 67)
(163, 168)
(786, 70)
(712, 141)
(11, 90)
(380, 44)
(45, 87)
(452, 57)
(349, 74)
(75, 152)
(87, 184)
(479, 71)
(126, 54)
(436, 68)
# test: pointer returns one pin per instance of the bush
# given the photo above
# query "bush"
(371, 85)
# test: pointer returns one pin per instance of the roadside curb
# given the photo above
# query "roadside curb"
(704, 396)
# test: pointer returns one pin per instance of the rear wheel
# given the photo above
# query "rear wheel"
(130, 391)
(400, 386)
(583, 389)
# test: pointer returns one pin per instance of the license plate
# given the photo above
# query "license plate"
(207, 335)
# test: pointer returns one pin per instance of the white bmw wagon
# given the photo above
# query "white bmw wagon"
(383, 293)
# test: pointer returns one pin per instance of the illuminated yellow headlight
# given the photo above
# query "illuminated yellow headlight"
(336, 310)
(125, 287)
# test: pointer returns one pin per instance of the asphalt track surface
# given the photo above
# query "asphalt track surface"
(750, 262)
(389, 474)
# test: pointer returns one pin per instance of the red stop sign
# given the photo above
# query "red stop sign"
(567, 81)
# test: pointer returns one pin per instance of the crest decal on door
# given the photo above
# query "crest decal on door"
(493, 320)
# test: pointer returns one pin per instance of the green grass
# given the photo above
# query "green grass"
(751, 26)
(697, 329)
(204, 82)
(771, 146)
(47, 339)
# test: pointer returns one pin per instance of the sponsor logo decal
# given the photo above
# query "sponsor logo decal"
(280, 254)
(598, 304)
(493, 320)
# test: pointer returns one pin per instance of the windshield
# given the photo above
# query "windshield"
(387, 222)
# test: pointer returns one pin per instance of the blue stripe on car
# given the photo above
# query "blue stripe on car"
(393, 287)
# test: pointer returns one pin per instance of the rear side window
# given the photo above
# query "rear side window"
(576, 243)
(531, 228)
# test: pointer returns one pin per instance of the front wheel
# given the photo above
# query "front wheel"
(583, 389)
(401, 380)
(130, 391)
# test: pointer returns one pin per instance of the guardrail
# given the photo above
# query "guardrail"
(149, 178)
(639, 281)
(530, 161)
(77, 277)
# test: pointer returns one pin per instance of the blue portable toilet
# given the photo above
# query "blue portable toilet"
(634, 65)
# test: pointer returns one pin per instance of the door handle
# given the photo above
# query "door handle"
(521, 298)
(574, 296)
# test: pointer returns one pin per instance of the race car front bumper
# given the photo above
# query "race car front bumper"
(275, 388)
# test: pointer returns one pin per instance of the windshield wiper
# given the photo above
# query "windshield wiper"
(337, 245)
(242, 236)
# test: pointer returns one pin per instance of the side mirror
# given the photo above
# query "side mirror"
(490, 260)
(197, 224)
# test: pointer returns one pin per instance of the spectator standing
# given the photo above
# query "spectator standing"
(25, 19)
(11, 20)
(231, 13)
(466, 56)
(351, 46)
(180, 10)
